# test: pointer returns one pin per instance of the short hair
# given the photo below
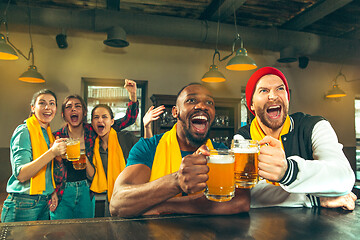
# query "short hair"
(37, 94)
(83, 105)
(182, 89)
(103, 106)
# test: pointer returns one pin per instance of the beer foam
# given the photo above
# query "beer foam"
(246, 150)
(221, 159)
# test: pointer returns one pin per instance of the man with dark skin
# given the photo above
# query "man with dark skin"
(138, 192)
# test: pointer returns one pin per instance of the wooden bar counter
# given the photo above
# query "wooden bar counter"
(265, 223)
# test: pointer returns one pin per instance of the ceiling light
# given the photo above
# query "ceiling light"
(32, 75)
(241, 61)
(116, 37)
(287, 55)
(335, 91)
(6, 51)
(213, 75)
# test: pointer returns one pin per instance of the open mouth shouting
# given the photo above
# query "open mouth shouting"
(274, 111)
(100, 128)
(200, 123)
(74, 117)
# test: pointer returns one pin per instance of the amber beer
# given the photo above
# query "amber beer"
(81, 163)
(221, 183)
(246, 163)
(73, 149)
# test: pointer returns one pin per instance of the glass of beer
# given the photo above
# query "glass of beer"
(221, 183)
(81, 163)
(72, 149)
(246, 162)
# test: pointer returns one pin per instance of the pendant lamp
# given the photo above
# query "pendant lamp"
(116, 37)
(336, 91)
(32, 75)
(213, 75)
(10, 52)
(240, 62)
(6, 51)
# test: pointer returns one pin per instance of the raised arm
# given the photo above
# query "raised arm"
(132, 110)
(151, 115)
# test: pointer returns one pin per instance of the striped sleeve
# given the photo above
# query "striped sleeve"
(291, 173)
(315, 201)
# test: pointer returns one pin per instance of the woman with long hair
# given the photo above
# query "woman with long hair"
(112, 148)
(32, 152)
(72, 186)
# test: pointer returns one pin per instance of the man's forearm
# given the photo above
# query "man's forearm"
(134, 200)
(198, 204)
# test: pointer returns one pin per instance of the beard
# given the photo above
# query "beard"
(274, 125)
(194, 139)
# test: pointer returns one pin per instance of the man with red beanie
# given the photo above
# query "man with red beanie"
(300, 160)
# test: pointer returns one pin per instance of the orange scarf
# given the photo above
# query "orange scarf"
(116, 163)
(39, 147)
(257, 133)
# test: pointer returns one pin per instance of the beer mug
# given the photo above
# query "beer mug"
(81, 163)
(72, 149)
(221, 183)
(246, 162)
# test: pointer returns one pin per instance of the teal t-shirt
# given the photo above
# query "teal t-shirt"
(144, 150)
(21, 154)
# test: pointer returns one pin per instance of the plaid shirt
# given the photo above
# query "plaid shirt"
(60, 173)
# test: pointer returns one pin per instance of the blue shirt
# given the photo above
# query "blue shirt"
(21, 154)
(144, 150)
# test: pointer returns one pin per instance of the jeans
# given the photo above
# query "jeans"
(75, 203)
(25, 207)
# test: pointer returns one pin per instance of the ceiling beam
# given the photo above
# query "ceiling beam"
(355, 34)
(227, 9)
(314, 14)
(316, 47)
(211, 9)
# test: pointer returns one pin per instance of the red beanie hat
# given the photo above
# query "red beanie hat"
(251, 84)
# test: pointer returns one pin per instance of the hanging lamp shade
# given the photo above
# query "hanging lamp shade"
(335, 92)
(32, 75)
(287, 55)
(241, 61)
(116, 37)
(6, 51)
(213, 75)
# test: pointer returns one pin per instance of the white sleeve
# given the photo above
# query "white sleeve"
(330, 173)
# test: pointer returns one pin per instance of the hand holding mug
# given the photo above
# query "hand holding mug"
(192, 175)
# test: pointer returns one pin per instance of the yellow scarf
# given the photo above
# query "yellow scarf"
(39, 147)
(257, 133)
(116, 163)
(168, 158)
